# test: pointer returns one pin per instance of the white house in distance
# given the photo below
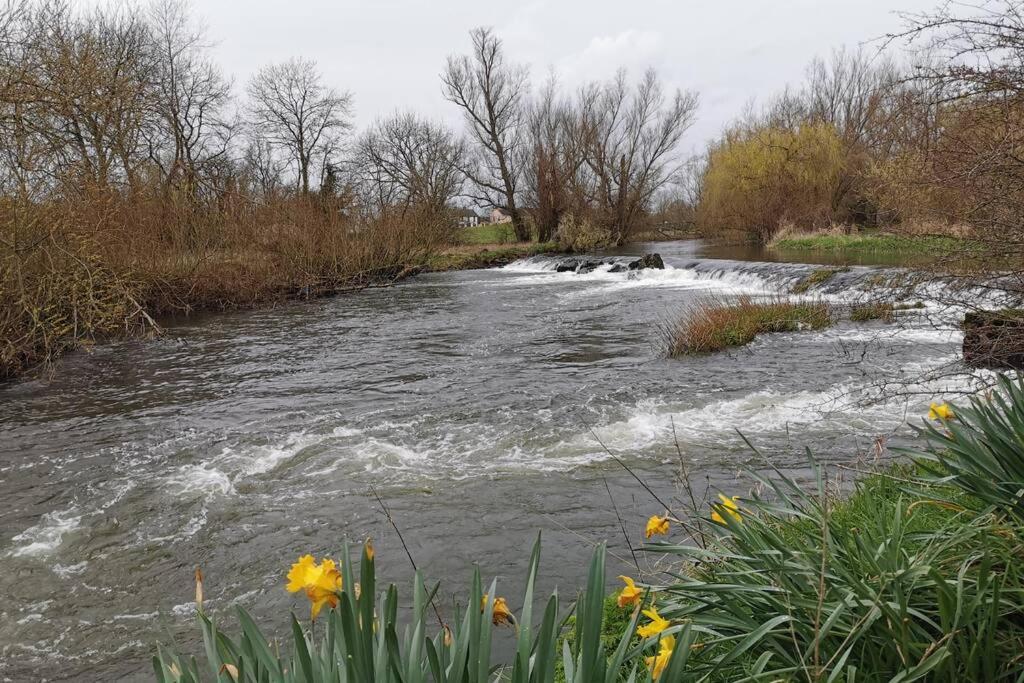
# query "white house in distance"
(468, 218)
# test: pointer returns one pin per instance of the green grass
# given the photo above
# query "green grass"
(880, 243)
(712, 326)
(489, 233)
(465, 258)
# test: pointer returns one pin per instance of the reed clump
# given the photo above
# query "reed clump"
(876, 310)
(711, 325)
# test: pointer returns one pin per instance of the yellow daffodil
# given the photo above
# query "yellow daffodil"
(501, 613)
(656, 626)
(321, 582)
(658, 662)
(728, 506)
(630, 595)
(656, 525)
(940, 411)
(369, 549)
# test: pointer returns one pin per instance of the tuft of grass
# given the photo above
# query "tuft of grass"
(879, 310)
(713, 326)
(817, 277)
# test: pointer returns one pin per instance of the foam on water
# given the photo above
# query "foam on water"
(46, 536)
(202, 480)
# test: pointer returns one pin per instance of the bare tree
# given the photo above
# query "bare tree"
(631, 136)
(192, 96)
(87, 94)
(491, 93)
(408, 161)
(296, 112)
(554, 157)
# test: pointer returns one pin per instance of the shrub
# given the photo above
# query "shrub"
(879, 310)
(712, 326)
(759, 179)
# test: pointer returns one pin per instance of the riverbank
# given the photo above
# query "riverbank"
(914, 575)
(77, 300)
(879, 243)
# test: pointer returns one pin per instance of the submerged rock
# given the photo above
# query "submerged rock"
(994, 339)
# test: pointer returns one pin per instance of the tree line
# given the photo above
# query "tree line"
(924, 137)
(129, 102)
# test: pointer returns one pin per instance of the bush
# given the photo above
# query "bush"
(712, 326)
(759, 179)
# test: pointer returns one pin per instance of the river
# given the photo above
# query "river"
(237, 442)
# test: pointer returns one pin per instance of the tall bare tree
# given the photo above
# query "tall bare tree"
(553, 159)
(631, 137)
(407, 161)
(491, 93)
(296, 112)
(192, 96)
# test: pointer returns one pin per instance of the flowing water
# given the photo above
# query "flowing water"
(239, 441)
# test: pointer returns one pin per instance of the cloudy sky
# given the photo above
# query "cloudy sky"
(389, 53)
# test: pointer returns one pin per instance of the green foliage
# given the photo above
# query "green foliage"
(489, 233)
(981, 448)
(761, 178)
(884, 586)
(710, 326)
(362, 639)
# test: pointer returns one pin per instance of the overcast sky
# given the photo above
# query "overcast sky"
(389, 53)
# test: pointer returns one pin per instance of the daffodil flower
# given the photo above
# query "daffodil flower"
(656, 525)
(940, 411)
(656, 626)
(321, 582)
(657, 663)
(729, 506)
(630, 595)
(501, 613)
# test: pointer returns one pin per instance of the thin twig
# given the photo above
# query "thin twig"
(394, 525)
(622, 524)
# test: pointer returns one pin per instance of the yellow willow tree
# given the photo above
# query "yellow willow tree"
(758, 179)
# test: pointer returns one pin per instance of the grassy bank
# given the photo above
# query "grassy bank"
(76, 273)
(916, 574)
(712, 326)
(462, 257)
(935, 245)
